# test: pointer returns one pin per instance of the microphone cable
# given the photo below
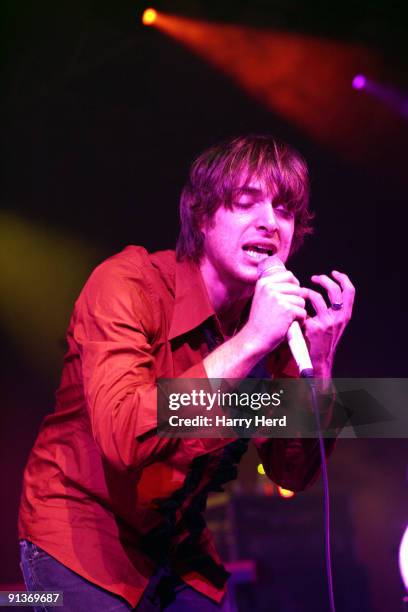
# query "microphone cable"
(308, 374)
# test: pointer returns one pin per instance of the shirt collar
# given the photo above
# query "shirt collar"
(192, 304)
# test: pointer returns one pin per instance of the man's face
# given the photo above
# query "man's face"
(237, 239)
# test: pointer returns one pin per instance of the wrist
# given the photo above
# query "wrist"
(249, 347)
(235, 358)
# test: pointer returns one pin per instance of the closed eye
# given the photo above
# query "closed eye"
(243, 205)
(284, 211)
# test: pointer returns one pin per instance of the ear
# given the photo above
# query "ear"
(205, 224)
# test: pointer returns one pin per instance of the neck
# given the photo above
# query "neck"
(228, 300)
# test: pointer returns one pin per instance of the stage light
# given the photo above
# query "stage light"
(149, 16)
(403, 558)
(297, 76)
(56, 259)
(359, 81)
(285, 492)
(261, 469)
(268, 489)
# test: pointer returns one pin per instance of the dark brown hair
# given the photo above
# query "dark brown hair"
(217, 174)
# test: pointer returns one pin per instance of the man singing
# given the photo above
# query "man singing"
(111, 514)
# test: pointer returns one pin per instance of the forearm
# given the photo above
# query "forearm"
(127, 432)
(235, 358)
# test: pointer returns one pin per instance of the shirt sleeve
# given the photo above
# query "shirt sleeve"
(293, 463)
(115, 326)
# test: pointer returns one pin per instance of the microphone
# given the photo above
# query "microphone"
(294, 336)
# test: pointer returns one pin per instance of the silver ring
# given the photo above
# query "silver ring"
(337, 306)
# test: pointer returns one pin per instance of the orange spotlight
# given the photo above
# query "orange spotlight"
(285, 493)
(303, 78)
(149, 16)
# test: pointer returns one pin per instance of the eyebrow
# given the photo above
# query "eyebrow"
(252, 191)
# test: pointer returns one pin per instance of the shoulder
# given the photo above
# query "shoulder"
(136, 259)
(132, 275)
(133, 266)
(128, 286)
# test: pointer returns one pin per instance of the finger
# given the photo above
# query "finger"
(318, 303)
(295, 300)
(347, 287)
(286, 288)
(333, 289)
(299, 314)
(282, 276)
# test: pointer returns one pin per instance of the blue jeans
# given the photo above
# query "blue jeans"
(165, 591)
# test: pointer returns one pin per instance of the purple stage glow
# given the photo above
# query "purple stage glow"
(403, 558)
(359, 81)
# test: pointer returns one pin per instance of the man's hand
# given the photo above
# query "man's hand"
(324, 330)
(278, 301)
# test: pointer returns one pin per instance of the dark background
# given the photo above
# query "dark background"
(101, 118)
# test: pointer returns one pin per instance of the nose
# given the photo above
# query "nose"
(266, 219)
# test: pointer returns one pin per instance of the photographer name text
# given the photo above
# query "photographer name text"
(223, 421)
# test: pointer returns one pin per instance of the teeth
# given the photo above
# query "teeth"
(256, 254)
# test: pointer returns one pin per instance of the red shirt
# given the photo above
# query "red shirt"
(97, 465)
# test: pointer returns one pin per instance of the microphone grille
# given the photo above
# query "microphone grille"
(268, 264)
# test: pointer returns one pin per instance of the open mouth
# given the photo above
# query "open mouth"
(259, 252)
